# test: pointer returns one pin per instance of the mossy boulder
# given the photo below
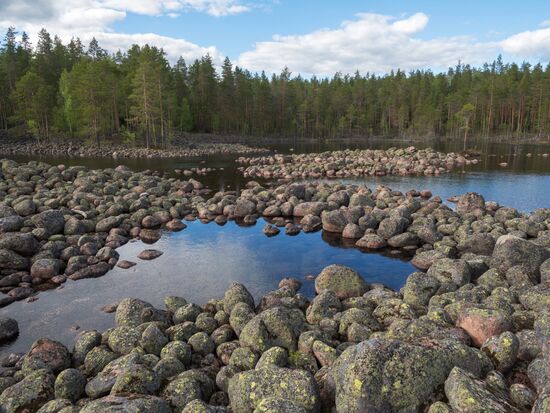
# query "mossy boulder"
(382, 375)
(341, 280)
(248, 389)
(29, 394)
(468, 394)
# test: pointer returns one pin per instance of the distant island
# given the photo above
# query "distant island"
(54, 91)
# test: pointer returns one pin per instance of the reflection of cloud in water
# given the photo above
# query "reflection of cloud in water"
(198, 263)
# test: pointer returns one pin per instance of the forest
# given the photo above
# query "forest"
(53, 90)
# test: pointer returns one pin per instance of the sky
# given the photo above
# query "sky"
(310, 37)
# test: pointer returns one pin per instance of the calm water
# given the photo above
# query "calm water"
(200, 262)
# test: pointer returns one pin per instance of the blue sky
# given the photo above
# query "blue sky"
(308, 36)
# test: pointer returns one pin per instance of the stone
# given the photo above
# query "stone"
(334, 221)
(12, 260)
(9, 329)
(128, 404)
(343, 281)
(466, 393)
(470, 202)
(419, 288)
(502, 350)
(482, 324)
(149, 254)
(511, 251)
(70, 384)
(52, 221)
(34, 390)
(46, 268)
(247, 389)
(47, 354)
(382, 375)
(237, 293)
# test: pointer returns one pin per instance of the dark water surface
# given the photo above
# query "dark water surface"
(199, 263)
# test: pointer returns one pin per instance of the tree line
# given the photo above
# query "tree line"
(76, 91)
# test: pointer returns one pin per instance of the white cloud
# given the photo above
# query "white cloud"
(371, 42)
(529, 44)
(94, 18)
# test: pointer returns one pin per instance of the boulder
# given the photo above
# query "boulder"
(28, 395)
(511, 251)
(247, 390)
(9, 329)
(343, 281)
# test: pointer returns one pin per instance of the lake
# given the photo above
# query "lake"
(200, 262)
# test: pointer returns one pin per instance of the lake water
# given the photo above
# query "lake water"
(200, 262)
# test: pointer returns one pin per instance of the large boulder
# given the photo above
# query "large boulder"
(341, 280)
(47, 354)
(247, 390)
(29, 394)
(382, 375)
(468, 394)
(52, 221)
(309, 208)
(275, 327)
(470, 202)
(22, 243)
(513, 251)
(334, 221)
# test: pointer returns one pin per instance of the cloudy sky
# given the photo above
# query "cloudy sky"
(309, 36)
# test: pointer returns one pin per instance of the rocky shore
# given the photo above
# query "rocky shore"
(353, 163)
(179, 149)
(471, 335)
(469, 332)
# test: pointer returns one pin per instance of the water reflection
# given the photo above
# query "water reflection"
(198, 263)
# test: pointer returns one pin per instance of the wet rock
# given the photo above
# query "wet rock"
(372, 242)
(46, 268)
(248, 389)
(271, 230)
(343, 281)
(92, 271)
(125, 264)
(149, 254)
(311, 223)
(175, 225)
(334, 221)
(9, 329)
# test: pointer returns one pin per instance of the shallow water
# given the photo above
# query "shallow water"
(199, 263)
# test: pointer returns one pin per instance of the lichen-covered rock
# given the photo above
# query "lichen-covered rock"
(334, 221)
(180, 391)
(511, 251)
(136, 379)
(482, 323)
(124, 339)
(502, 350)
(382, 375)
(58, 406)
(279, 405)
(278, 326)
(343, 281)
(468, 394)
(276, 356)
(536, 298)
(237, 293)
(47, 354)
(419, 288)
(70, 384)
(248, 389)
(129, 312)
(243, 358)
(29, 394)
(324, 305)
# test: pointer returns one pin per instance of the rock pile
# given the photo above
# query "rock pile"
(353, 163)
(17, 147)
(471, 336)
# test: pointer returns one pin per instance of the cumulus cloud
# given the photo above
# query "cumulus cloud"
(370, 43)
(534, 44)
(94, 18)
